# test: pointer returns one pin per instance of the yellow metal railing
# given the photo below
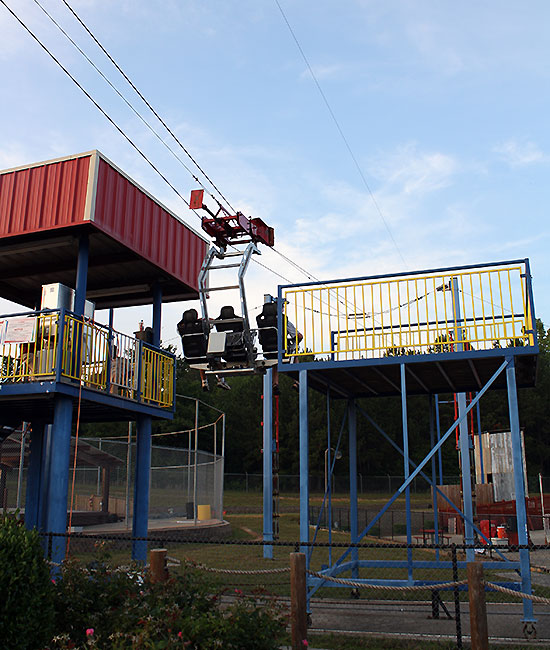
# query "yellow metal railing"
(90, 353)
(157, 377)
(481, 309)
(28, 346)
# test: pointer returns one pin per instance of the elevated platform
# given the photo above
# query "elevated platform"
(109, 376)
(451, 328)
(427, 374)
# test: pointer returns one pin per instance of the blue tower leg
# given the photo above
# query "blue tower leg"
(58, 479)
(157, 313)
(43, 497)
(517, 458)
(34, 477)
(268, 463)
(81, 274)
(141, 488)
(464, 442)
(304, 464)
(406, 467)
(434, 477)
(352, 425)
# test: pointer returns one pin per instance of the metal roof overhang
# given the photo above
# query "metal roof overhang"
(117, 275)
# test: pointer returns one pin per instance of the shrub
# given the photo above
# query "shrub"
(26, 590)
(98, 606)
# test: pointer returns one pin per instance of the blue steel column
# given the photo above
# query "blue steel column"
(352, 426)
(60, 451)
(34, 476)
(141, 487)
(464, 444)
(464, 438)
(407, 468)
(45, 471)
(268, 462)
(157, 313)
(434, 476)
(304, 462)
(438, 429)
(81, 274)
(517, 458)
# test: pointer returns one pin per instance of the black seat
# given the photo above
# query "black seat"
(194, 340)
(233, 325)
(267, 330)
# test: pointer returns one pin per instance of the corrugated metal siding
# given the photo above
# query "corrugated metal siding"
(126, 213)
(43, 197)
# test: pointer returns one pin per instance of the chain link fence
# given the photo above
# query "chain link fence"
(373, 599)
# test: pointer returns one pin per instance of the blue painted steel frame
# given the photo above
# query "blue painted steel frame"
(304, 461)
(521, 514)
(352, 425)
(268, 462)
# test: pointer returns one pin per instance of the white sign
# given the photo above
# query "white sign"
(20, 330)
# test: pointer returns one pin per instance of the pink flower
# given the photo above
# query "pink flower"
(305, 643)
(90, 631)
(238, 592)
(180, 634)
(53, 580)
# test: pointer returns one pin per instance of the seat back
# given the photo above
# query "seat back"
(193, 338)
(267, 329)
(227, 321)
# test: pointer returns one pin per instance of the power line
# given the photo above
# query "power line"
(341, 132)
(122, 132)
(117, 91)
(146, 102)
(94, 102)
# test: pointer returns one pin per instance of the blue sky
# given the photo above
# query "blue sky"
(444, 105)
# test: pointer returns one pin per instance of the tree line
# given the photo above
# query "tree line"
(375, 456)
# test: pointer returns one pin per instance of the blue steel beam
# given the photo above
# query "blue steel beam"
(81, 274)
(442, 270)
(433, 485)
(58, 479)
(419, 468)
(405, 426)
(304, 464)
(352, 419)
(268, 462)
(434, 475)
(521, 515)
(157, 313)
(141, 488)
(34, 476)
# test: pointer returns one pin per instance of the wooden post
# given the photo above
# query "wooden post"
(298, 609)
(159, 572)
(106, 472)
(478, 607)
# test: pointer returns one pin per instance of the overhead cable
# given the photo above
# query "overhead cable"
(341, 132)
(147, 103)
(94, 102)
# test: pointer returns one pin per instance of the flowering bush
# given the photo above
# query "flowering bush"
(100, 607)
(26, 590)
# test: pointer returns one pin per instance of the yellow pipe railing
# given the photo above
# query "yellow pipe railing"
(481, 309)
(91, 354)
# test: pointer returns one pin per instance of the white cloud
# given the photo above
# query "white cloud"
(415, 172)
(520, 153)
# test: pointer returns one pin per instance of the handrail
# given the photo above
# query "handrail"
(61, 346)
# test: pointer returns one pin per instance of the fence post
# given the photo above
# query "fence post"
(159, 573)
(478, 607)
(458, 621)
(298, 608)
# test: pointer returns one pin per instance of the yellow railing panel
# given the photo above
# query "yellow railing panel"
(90, 354)
(481, 309)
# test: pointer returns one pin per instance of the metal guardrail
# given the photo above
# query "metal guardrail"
(446, 310)
(60, 345)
